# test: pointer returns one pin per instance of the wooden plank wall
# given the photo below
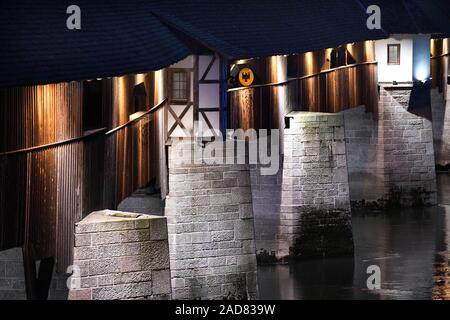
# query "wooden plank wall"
(259, 107)
(335, 91)
(128, 161)
(440, 56)
(48, 181)
(45, 190)
(132, 153)
(312, 86)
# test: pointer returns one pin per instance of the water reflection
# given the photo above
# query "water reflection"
(410, 246)
(441, 279)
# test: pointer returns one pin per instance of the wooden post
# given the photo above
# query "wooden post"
(37, 283)
(29, 266)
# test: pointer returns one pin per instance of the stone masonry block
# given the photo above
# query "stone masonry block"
(244, 230)
(128, 256)
(227, 222)
(161, 282)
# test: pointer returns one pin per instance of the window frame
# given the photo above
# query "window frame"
(187, 74)
(339, 55)
(399, 48)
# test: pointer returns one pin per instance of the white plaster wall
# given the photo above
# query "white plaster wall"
(187, 62)
(209, 94)
(399, 73)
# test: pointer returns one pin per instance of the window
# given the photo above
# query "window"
(340, 57)
(140, 98)
(92, 105)
(393, 54)
(180, 86)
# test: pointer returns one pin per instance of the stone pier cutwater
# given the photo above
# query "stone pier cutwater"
(315, 217)
(266, 198)
(304, 210)
(211, 234)
(120, 255)
(390, 154)
(382, 159)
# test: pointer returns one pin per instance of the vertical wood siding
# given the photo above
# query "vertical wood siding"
(52, 174)
(128, 160)
(440, 56)
(312, 86)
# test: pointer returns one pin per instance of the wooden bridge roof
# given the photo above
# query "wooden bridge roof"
(122, 37)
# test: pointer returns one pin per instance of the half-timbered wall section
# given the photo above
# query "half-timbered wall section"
(329, 80)
(70, 148)
(194, 97)
(209, 90)
(180, 111)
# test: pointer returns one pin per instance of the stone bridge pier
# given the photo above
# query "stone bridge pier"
(304, 210)
(210, 225)
(315, 215)
(352, 159)
(390, 153)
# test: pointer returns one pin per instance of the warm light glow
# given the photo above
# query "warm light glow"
(139, 78)
(159, 86)
(122, 105)
(369, 50)
(326, 63)
(281, 96)
(421, 60)
(349, 47)
(242, 61)
(281, 68)
(309, 58)
(422, 72)
(136, 115)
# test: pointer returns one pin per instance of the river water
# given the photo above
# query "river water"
(410, 246)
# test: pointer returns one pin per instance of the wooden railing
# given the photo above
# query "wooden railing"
(331, 90)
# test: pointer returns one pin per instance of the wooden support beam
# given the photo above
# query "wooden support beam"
(37, 282)
(29, 266)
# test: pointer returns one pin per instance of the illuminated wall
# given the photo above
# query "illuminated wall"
(414, 58)
(402, 72)
(421, 57)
